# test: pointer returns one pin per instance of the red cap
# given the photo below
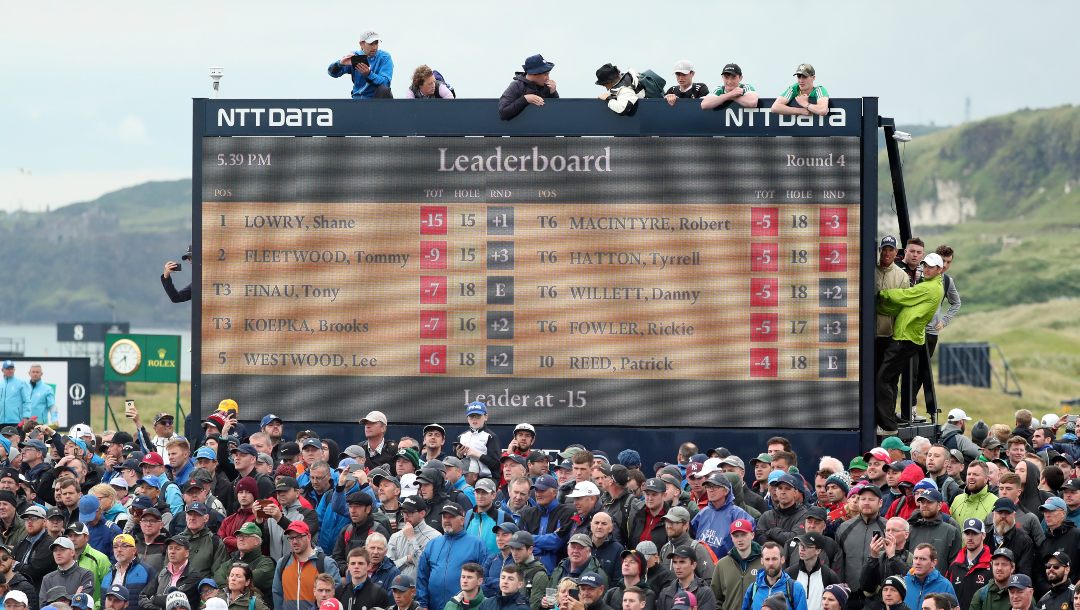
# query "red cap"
(742, 525)
(299, 527)
(153, 458)
(330, 604)
(877, 453)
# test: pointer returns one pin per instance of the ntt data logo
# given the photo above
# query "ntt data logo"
(275, 117)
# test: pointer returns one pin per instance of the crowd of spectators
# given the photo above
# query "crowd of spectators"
(257, 520)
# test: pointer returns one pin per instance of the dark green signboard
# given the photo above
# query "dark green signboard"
(150, 358)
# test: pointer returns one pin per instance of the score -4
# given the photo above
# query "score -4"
(250, 159)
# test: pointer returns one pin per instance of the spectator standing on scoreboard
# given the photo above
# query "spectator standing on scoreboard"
(913, 308)
(14, 396)
(733, 89)
(184, 294)
(886, 277)
(940, 320)
(913, 257)
(426, 86)
(42, 397)
(530, 86)
(371, 70)
(803, 97)
(685, 87)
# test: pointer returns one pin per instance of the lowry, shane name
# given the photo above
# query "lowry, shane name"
(535, 162)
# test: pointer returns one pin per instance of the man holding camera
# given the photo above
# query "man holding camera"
(183, 294)
(371, 69)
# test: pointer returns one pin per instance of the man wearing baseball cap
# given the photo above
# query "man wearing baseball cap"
(913, 308)
(970, 569)
(713, 522)
(732, 90)
(784, 521)
(299, 568)
(887, 276)
(952, 433)
(370, 68)
(736, 572)
(434, 441)
(803, 98)
(1060, 534)
(439, 568)
(378, 449)
(685, 87)
(545, 518)
(68, 573)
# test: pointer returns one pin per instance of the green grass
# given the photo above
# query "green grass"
(1042, 345)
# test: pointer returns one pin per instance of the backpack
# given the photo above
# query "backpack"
(320, 564)
(439, 79)
(653, 83)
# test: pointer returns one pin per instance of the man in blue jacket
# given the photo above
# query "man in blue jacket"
(371, 69)
(42, 396)
(437, 574)
(713, 523)
(773, 580)
(924, 578)
(14, 396)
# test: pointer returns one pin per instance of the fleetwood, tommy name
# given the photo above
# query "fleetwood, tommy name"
(632, 293)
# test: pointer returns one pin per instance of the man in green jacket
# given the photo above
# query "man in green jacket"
(88, 557)
(207, 550)
(995, 595)
(736, 571)
(913, 307)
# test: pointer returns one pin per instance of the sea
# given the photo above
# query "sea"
(39, 340)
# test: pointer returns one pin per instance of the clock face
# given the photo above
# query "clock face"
(125, 356)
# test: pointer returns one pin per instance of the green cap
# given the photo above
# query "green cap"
(249, 529)
(858, 463)
(762, 457)
(410, 454)
(894, 442)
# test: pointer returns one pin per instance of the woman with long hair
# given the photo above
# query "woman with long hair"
(240, 592)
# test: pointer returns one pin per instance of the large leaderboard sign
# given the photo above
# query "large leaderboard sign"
(630, 281)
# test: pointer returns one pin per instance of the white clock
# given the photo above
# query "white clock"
(125, 356)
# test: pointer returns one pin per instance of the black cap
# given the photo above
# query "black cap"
(452, 508)
(413, 504)
(607, 73)
(817, 512)
(874, 489)
(181, 540)
(732, 69)
(360, 498)
(683, 551)
(655, 485)
(1060, 556)
(1072, 485)
(1005, 552)
(284, 483)
(812, 539)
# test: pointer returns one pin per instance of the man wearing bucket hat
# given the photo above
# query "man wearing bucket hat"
(531, 86)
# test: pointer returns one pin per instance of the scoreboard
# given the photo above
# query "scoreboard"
(613, 279)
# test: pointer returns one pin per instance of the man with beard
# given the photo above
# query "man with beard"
(886, 276)
(929, 526)
(995, 595)
(773, 580)
(977, 501)
(1060, 595)
(855, 536)
(937, 458)
(1006, 535)
(877, 459)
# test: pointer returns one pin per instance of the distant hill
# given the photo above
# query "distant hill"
(1005, 193)
(77, 262)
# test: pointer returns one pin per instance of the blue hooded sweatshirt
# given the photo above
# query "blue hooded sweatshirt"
(713, 525)
(382, 70)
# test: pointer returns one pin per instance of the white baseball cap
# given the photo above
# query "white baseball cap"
(374, 417)
(370, 37)
(683, 66)
(958, 415)
(81, 430)
(710, 466)
(584, 489)
(18, 597)
(409, 486)
(933, 260)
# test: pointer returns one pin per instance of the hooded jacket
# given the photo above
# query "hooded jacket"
(364, 86)
(516, 601)
(967, 579)
(743, 496)
(512, 101)
(713, 524)
(541, 520)
(262, 571)
(437, 501)
(944, 537)
(973, 505)
(206, 552)
(991, 597)
(437, 574)
(905, 505)
(918, 588)
(733, 574)
(913, 308)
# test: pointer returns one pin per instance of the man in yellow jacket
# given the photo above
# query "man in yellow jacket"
(913, 307)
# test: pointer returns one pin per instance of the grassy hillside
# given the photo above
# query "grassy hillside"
(1042, 345)
(80, 261)
(1005, 193)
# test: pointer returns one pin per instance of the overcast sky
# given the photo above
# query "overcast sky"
(97, 96)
